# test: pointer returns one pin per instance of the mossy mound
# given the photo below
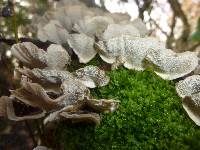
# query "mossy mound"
(150, 116)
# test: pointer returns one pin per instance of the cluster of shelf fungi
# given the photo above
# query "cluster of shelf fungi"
(51, 92)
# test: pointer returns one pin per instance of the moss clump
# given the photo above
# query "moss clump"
(150, 116)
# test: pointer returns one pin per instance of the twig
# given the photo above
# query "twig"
(176, 7)
(170, 38)
(145, 6)
(155, 23)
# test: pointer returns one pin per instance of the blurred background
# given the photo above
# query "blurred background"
(175, 22)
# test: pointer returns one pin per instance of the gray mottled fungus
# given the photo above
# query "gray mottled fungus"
(75, 91)
(188, 86)
(30, 54)
(133, 50)
(189, 90)
(34, 57)
(82, 46)
(68, 106)
(57, 57)
(117, 40)
(53, 28)
(172, 65)
(94, 26)
(92, 76)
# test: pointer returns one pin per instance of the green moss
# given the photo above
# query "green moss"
(150, 116)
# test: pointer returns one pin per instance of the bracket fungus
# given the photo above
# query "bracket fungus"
(79, 113)
(53, 28)
(171, 65)
(119, 41)
(189, 90)
(57, 57)
(188, 86)
(15, 110)
(31, 56)
(131, 50)
(88, 24)
(51, 80)
(51, 92)
(48, 91)
(82, 46)
(93, 27)
(74, 104)
(92, 76)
